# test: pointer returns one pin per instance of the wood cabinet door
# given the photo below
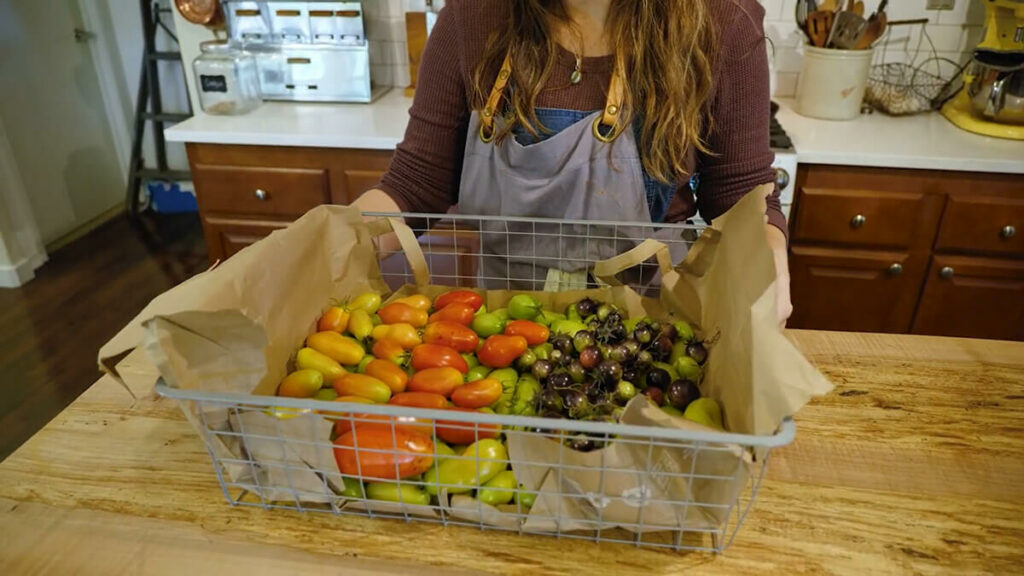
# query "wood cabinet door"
(854, 290)
(973, 298)
(228, 236)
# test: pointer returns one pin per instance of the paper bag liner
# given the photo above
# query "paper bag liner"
(234, 329)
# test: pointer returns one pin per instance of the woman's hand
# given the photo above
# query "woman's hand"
(777, 242)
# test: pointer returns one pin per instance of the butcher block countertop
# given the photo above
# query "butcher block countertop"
(914, 464)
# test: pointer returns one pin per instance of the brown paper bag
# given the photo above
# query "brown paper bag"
(233, 329)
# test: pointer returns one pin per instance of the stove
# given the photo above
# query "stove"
(785, 163)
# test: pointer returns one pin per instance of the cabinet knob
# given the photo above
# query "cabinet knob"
(1007, 232)
(858, 221)
(946, 272)
(261, 195)
(895, 269)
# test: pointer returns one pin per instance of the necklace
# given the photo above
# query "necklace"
(577, 73)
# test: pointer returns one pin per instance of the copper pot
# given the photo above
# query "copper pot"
(205, 12)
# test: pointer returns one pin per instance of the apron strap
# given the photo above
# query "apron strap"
(497, 92)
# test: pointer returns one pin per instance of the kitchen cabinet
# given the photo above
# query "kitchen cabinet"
(922, 251)
(246, 192)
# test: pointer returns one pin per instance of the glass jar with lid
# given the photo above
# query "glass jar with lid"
(227, 79)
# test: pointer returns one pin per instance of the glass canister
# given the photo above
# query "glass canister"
(227, 79)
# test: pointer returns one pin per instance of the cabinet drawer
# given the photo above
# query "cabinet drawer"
(973, 297)
(983, 225)
(260, 191)
(854, 290)
(866, 218)
(226, 237)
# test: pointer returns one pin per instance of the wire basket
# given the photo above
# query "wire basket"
(650, 485)
(900, 88)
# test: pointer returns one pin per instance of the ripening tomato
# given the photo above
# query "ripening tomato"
(389, 373)
(465, 432)
(345, 421)
(477, 394)
(452, 335)
(399, 312)
(441, 381)
(334, 319)
(301, 384)
(500, 351)
(405, 335)
(471, 299)
(362, 385)
(455, 312)
(534, 333)
(419, 400)
(383, 452)
(341, 349)
(417, 301)
(390, 351)
(437, 356)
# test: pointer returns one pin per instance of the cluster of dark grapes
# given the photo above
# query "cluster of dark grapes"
(594, 373)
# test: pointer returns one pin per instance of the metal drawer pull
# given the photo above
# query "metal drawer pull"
(895, 269)
(1008, 232)
(858, 221)
(261, 195)
(946, 272)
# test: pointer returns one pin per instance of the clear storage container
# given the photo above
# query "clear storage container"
(227, 79)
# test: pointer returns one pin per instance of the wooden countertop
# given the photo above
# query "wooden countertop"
(913, 465)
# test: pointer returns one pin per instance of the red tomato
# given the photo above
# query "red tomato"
(419, 400)
(500, 351)
(455, 312)
(343, 423)
(383, 452)
(401, 313)
(534, 333)
(452, 335)
(437, 356)
(389, 373)
(467, 297)
(441, 381)
(477, 394)
(465, 433)
(391, 351)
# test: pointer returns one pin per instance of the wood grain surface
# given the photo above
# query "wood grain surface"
(911, 466)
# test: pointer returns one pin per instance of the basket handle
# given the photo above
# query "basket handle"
(605, 270)
(410, 246)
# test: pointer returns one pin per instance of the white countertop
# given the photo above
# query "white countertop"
(926, 141)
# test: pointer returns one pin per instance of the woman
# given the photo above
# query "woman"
(625, 110)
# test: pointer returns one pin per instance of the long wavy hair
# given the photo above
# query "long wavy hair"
(665, 49)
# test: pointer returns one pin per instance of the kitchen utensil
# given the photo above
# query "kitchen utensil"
(828, 6)
(205, 12)
(873, 30)
(996, 94)
(803, 8)
(858, 8)
(819, 25)
(847, 28)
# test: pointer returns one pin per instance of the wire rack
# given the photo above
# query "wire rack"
(920, 85)
(644, 485)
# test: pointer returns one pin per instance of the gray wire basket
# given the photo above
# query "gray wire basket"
(650, 485)
(914, 87)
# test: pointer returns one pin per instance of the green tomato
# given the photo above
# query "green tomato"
(353, 488)
(705, 411)
(477, 373)
(547, 317)
(442, 449)
(524, 307)
(524, 402)
(503, 314)
(572, 314)
(498, 490)
(672, 410)
(667, 368)
(393, 492)
(525, 499)
(325, 394)
(486, 459)
(508, 378)
(684, 330)
(471, 361)
(362, 363)
(488, 324)
(481, 310)
(543, 351)
(688, 368)
(567, 327)
(375, 319)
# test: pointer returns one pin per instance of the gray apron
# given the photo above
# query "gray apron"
(573, 175)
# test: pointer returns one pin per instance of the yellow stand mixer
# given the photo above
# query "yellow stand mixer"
(992, 99)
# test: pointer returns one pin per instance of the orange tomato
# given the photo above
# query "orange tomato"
(405, 335)
(455, 312)
(441, 381)
(383, 452)
(341, 349)
(477, 394)
(437, 356)
(471, 299)
(399, 312)
(390, 351)
(334, 319)
(464, 433)
(419, 400)
(362, 385)
(417, 301)
(500, 351)
(453, 335)
(389, 373)
(534, 333)
(344, 422)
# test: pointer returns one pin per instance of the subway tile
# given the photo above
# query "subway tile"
(787, 12)
(785, 84)
(772, 8)
(964, 12)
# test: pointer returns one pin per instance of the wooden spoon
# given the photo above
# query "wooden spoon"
(858, 8)
(828, 5)
(819, 25)
(872, 32)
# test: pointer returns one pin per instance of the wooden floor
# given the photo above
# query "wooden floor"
(51, 328)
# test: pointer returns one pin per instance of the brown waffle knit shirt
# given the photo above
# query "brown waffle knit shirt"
(425, 172)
